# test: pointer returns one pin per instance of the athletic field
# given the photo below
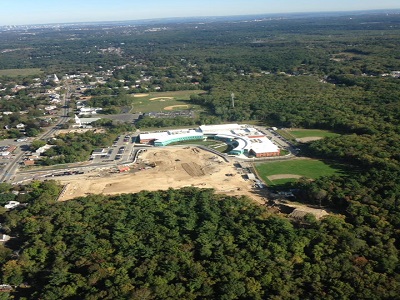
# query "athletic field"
(20, 72)
(165, 101)
(280, 172)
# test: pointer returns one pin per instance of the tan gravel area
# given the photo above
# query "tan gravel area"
(176, 106)
(174, 168)
(283, 176)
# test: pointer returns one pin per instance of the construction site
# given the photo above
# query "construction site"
(163, 168)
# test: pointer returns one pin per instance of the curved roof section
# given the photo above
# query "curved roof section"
(247, 137)
(242, 141)
(167, 138)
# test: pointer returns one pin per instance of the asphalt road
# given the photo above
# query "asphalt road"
(9, 171)
(96, 164)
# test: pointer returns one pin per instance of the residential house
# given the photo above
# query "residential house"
(50, 107)
(12, 204)
(43, 149)
(89, 110)
(55, 101)
(4, 238)
(28, 163)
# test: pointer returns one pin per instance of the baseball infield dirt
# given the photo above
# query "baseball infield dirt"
(176, 106)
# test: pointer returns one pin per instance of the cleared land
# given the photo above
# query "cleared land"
(20, 72)
(275, 173)
(306, 135)
(283, 176)
(160, 101)
(175, 168)
(173, 107)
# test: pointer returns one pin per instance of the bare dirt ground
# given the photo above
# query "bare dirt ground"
(176, 106)
(161, 98)
(140, 95)
(309, 139)
(283, 176)
(175, 168)
(85, 98)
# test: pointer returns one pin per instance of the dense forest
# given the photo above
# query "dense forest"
(190, 244)
(336, 73)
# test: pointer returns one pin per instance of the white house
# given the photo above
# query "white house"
(4, 237)
(43, 149)
(55, 101)
(84, 121)
(12, 204)
(20, 126)
(89, 110)
(54, 96)
(50, 107)
(53, 78)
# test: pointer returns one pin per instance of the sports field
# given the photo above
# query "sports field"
(305, 135)
(277, 173)
(165, 101)
(20, 72)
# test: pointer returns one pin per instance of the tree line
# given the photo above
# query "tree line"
(189, 244)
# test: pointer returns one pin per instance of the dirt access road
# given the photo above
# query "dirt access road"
(174, 168)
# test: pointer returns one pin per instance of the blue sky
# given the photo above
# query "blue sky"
(20, 12)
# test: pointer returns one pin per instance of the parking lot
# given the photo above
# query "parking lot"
(121, 150)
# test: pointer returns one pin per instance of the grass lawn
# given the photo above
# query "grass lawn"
(281, 181)
(217, 145)
(195, 142)
(20, 72)
(292, 135)
(302, 133)
(286, 134)
(223, 148)
(309, 168)
(284, 152)
(165, 99)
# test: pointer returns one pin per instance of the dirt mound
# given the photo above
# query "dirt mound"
(301, 212)
(193, 169)
(309, 139)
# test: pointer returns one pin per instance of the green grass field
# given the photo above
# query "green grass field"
(303, 133)
(217, 145)
(165, 99)
(309, 168)
(292, 135)
(195, 142)
(286, 134)
(20, 72)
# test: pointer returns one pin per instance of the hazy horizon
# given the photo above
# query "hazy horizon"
(25, 12)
